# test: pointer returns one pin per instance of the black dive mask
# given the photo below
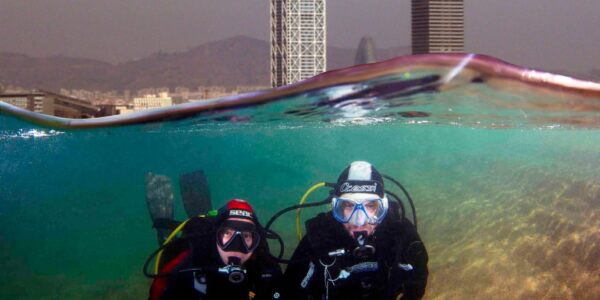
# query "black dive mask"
(234, 271)
(237, 236)
(364, 250)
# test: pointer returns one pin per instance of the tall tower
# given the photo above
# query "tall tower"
(298, 40)
(278, 43)
(438, 26)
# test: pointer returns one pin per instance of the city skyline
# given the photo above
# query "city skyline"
(547, 34)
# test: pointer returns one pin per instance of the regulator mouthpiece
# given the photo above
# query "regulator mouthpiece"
(363, 250)
(234, 272)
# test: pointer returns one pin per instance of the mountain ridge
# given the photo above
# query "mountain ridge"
(239, 60)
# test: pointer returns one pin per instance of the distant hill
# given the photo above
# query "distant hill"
(235, 61)
(52, 72)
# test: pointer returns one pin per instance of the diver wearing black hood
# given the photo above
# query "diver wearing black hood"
(361, 249)
(222, 257)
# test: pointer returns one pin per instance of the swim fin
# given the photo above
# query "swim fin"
(159, 199)
(195, 193)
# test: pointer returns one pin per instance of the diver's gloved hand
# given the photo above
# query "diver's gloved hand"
(415, 266)
(416, 254)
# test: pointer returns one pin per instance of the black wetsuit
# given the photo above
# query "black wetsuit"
(262, 280)
(399, 265)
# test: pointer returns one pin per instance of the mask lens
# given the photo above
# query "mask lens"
(374, 210)
(225, 236)
(343, 209)
(249, 238)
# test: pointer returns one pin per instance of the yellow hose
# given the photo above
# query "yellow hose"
(302, 200)
(171, 236)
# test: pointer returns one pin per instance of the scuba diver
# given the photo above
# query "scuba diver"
(221, 255)
(364, 248)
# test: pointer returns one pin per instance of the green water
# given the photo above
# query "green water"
(502, 211)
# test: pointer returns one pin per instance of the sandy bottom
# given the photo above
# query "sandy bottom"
(536, 237)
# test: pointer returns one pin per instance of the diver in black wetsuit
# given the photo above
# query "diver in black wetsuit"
(222, 257)
(361, 249)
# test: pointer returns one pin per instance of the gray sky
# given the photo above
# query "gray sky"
(547, 34)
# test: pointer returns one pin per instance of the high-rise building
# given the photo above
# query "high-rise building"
(438, 26)
(298, 40)
(278, 43)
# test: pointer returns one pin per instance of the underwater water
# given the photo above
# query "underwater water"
(501, 163)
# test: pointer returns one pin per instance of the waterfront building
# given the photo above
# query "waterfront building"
(437, 26)
(124, 109)
(152, 101)
(298, 40)
(18, 100)
(49, 103)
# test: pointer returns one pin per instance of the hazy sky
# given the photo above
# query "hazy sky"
(548, 34)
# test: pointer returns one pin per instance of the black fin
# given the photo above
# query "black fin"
(195, 193)
(159, 199)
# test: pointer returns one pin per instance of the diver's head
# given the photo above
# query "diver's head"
(359, 201)
(237, 232)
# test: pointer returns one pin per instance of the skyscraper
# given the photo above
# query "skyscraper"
(437, 26)
(278, 43)
(298, 40)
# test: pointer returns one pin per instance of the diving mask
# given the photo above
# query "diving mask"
(237, 236)
(357, 211)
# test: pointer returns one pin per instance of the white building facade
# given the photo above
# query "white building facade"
(152, 101)
(298, 40)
